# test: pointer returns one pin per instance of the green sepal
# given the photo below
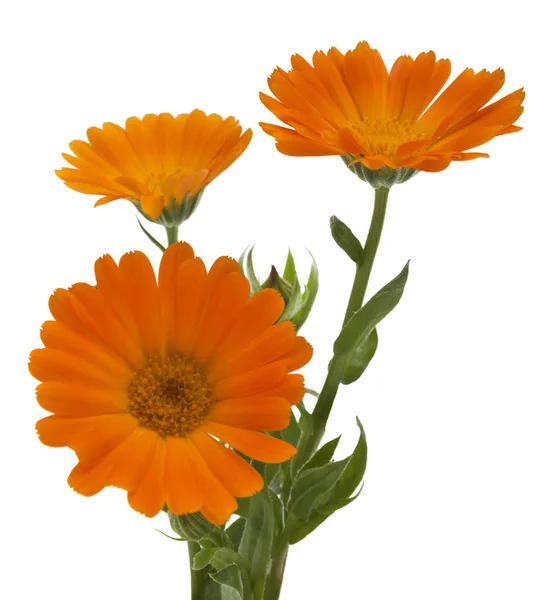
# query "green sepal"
(345, 239)
(384, 177)
(362, 323)
(359, 358)
(150, 237)
(290, 274)
(323, 455)
(247, 268)
(192, 527)
(307, 298)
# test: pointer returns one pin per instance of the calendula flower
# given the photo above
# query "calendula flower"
(160, 162)
(144, 377)
(350, 105)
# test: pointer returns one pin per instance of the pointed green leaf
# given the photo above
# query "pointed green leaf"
(323, 455)
(302, 529)
(257, 538)
(289, 273)
(358, 359)
(361, 324)
(150, 237)
(313, 487)
(345, 239)
(224, 557)
(230, 579)
(202, 558)
(355, 468)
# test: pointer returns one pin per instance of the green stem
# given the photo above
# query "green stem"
(172, 234)
(325, 401)
(364, 267)
(274, 579)
(197, 577)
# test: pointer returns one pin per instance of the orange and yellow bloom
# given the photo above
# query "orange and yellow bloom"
(350, 105)
(144, 376)
(160, 162)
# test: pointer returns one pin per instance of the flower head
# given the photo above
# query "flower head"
(160, 162)
(350, 105)
(144, 377)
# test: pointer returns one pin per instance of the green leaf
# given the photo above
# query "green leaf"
(313, 487)
(292, 432)
(355, 468)
(362, 323)
(150, 237)
(358, 359)
(302, 529)
(323, 455)
(244, 507)
(202, 558)
(345, 239)
(289, 273)
(224, 557)
(257, 538)
(230, 579)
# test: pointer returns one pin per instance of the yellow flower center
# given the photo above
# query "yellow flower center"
(169, 395)
(384, 136)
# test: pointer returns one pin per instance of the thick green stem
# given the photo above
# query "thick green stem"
(363, 270)
(172, 234)
(274, 580)
(364, 267)
(197, 577)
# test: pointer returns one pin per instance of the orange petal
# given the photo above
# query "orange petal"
(235, 474)
(261, 311)
(251, 382)
(254, 444)
(226, 304)
(173, 258)
(218, 502)
(138, 278)
(48, 364)
(73, 400)
(182, 490)
(124, 466)
(272, 344)
(258, 414)
(148, 497)
(191, 297)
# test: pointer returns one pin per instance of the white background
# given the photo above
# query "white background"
(450, 402)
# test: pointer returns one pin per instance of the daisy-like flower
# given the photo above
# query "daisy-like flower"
(144, 377)
(160, 162)
(350, 105)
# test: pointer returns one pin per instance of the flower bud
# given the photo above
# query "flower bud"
(298, 301)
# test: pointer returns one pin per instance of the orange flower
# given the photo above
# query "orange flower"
(350, 105)
(142, 377)
(161, 163)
